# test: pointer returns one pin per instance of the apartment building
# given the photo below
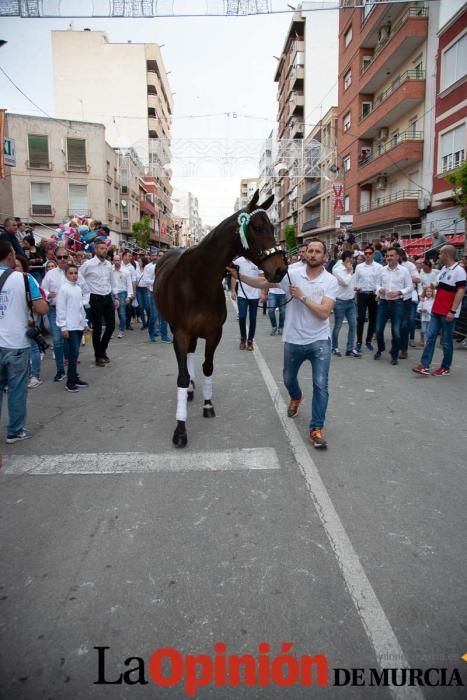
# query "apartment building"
(450, 135)
(386, 116)
(248, 187)
(316, 214)
(62, 168)
(123, 86)
(186, 210)
(267, 182)
(131, 171)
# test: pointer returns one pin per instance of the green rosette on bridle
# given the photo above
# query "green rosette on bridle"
(243, 220)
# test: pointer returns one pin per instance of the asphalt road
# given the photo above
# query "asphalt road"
(246, 536)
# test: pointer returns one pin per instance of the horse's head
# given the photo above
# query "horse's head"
(257, 241)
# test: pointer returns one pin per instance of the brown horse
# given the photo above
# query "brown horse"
(189, 294)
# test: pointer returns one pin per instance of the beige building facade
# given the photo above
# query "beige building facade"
(62, 168)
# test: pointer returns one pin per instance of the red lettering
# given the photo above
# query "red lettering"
(176, 667)
(192, 679)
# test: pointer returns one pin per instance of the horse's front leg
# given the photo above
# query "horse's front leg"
(212, 341)
(191, 368)
(181, 343)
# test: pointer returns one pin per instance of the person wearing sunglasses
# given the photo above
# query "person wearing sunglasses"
(367, 275)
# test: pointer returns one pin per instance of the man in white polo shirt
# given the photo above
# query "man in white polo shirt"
(307, 334)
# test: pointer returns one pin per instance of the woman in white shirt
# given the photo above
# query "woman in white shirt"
(71, 319)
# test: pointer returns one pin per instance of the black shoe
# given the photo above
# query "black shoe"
(394, 362)
(59, 376)
(72, 387)
(377, 355)
(352, 353)
(106, 359)
(100, 362)
(79, 383)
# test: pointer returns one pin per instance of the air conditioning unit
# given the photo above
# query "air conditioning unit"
(383, 133)
(381, 182)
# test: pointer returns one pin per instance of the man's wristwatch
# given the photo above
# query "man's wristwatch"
(304, 299)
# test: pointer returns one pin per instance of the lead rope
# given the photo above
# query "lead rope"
(276, 306)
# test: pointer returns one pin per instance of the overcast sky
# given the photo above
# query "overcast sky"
(217, 65)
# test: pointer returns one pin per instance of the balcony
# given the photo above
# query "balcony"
(311, 224)
(399, 42)
(394, 207)
(147, 207)
(311, 192)
(297, 75)
(406, 91)
(296, 104)
(296, 129)
(42, 210)
(391, 156)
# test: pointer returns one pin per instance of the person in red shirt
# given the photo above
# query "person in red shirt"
(446, 308)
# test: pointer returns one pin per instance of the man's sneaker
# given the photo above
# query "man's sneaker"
(166, 340)
(377, 355)
(358, 347)
(249, 345)
(273, 332)
(120, 334)
(353, 353)
(441, 372)
(421, 369)
(33, 382)
(60, 375)
(17, 437)
(369, 346)
(100, 362)
(337, 352)
(394, 361)
(317, 439)
(72, 387)
(293, 407)
(279, 331)
(403, 355)
(80, 383)
(152, 339)
(242, 345)
(106, 359)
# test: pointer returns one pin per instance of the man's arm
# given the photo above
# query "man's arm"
(457, 301)
(257, 282)
(40, 307)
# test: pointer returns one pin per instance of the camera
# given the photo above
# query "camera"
(35, 334)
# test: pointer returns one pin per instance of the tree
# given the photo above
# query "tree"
(290, 238)
(142, 231)
(458, 180)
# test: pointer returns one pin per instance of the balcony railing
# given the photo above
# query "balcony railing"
(77, 167)
(38, 165)
(390, 199)
(408, 75)
(311, 224)
(42, 210)
(410, 12)
(311, 192)
(79, 212)
(383, 148)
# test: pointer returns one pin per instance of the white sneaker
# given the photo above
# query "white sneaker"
(33, 382)
(119, 334)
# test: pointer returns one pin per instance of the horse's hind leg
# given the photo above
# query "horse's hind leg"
(181, 342)
(212, 341)
(190, 359)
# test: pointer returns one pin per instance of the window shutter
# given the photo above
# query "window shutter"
(40, 198)
(78, 195)
(76, 151)
(38, 151)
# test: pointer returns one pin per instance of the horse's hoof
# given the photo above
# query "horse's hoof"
(180, 439)
(208, 412)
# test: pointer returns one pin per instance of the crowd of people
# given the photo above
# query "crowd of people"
(49, 287)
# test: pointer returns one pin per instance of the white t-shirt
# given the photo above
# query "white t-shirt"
(246, 267)
(14, 312)
(302, 326)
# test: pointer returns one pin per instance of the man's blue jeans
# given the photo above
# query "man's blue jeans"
(122, 311)
(276, 300)
(142, 297)
(319, 355)
(438, 323)
(14, 373)
(243, 306)
(73, 343)
(57, 339)
(344, 308)
(156, 322)
(393, 311)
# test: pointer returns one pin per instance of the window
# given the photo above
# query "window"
(368, 7)
(346, 163)
(418, 68)
(348, 36)
(40, 199)
(366, 61)
(347, 203)
(412, 130)
(76, 155)
(347, 80)
(452, 148)
(395, 137)
(38, 147)
(366, 109)
(347, 121)
(78, 198)
(454, 63)
(109, 205)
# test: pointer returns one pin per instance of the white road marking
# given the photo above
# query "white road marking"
(143, 462)
(377, 626)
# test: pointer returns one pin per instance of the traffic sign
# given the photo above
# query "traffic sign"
(9, 152)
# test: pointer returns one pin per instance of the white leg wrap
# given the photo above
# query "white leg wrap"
(190, 360)
(207, 388)
(182, 398)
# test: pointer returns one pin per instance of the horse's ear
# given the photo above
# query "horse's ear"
(267, 203)
(254, 201)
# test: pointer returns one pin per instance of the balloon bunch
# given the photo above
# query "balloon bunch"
(81, 233)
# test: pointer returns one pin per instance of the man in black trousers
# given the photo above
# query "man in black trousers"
(97, 275)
